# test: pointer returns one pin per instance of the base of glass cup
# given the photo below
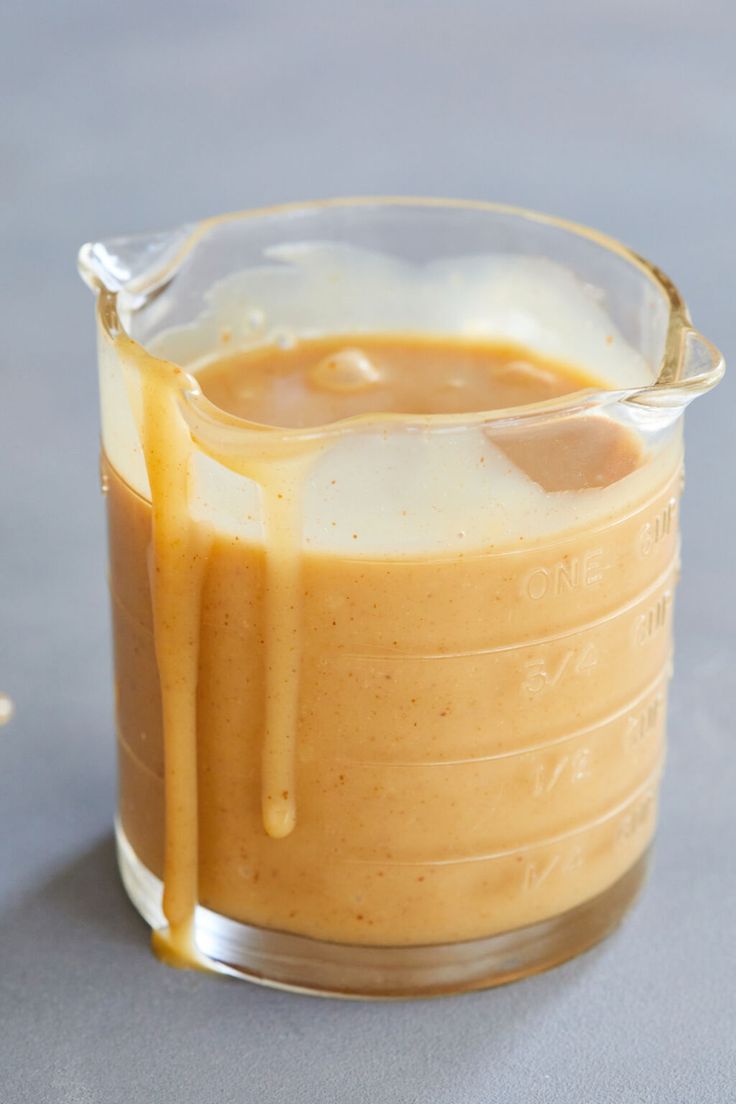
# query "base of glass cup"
(296, 962)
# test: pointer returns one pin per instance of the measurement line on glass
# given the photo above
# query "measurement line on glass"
(642, 508)
(244, 631)
(529, 749)
(494, 553)
(647, 786)
(671, 569)
(136, 757)
(617, 715)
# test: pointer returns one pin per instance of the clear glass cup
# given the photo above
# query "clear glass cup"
(390, 693)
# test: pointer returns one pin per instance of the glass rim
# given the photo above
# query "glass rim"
(675, 385)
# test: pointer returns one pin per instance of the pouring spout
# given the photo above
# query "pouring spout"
(696, 369)
(702, 363)
(135, 267)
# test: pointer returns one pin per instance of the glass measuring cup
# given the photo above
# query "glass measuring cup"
(390, 692)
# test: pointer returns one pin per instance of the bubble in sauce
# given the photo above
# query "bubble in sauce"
(255, 320)
(247, 391)
(346, 370)
(284, 339)
(7, 709)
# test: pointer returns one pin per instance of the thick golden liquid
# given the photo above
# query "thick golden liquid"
(323, 380)
(474, 738)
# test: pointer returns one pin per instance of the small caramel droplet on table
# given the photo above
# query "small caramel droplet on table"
(7, 709)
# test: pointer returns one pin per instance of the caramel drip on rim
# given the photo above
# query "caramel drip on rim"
(179, 555)
(178, 561)
(280, 470)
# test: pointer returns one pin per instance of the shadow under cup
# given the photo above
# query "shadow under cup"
(391, 692)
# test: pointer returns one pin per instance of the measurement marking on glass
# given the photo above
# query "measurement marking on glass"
(578, 630)
(657, 528)
(569, 574)
(577, 767)
(493, 553)
(643, 793)
(528, 749)
(643, 724)
(536, 872)
(540, 675)
(649, 623)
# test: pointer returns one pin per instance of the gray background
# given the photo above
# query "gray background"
(136, 116)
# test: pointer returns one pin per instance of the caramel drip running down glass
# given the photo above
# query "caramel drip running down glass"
(392, 491)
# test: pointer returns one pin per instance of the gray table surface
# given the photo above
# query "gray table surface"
(118, 118)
